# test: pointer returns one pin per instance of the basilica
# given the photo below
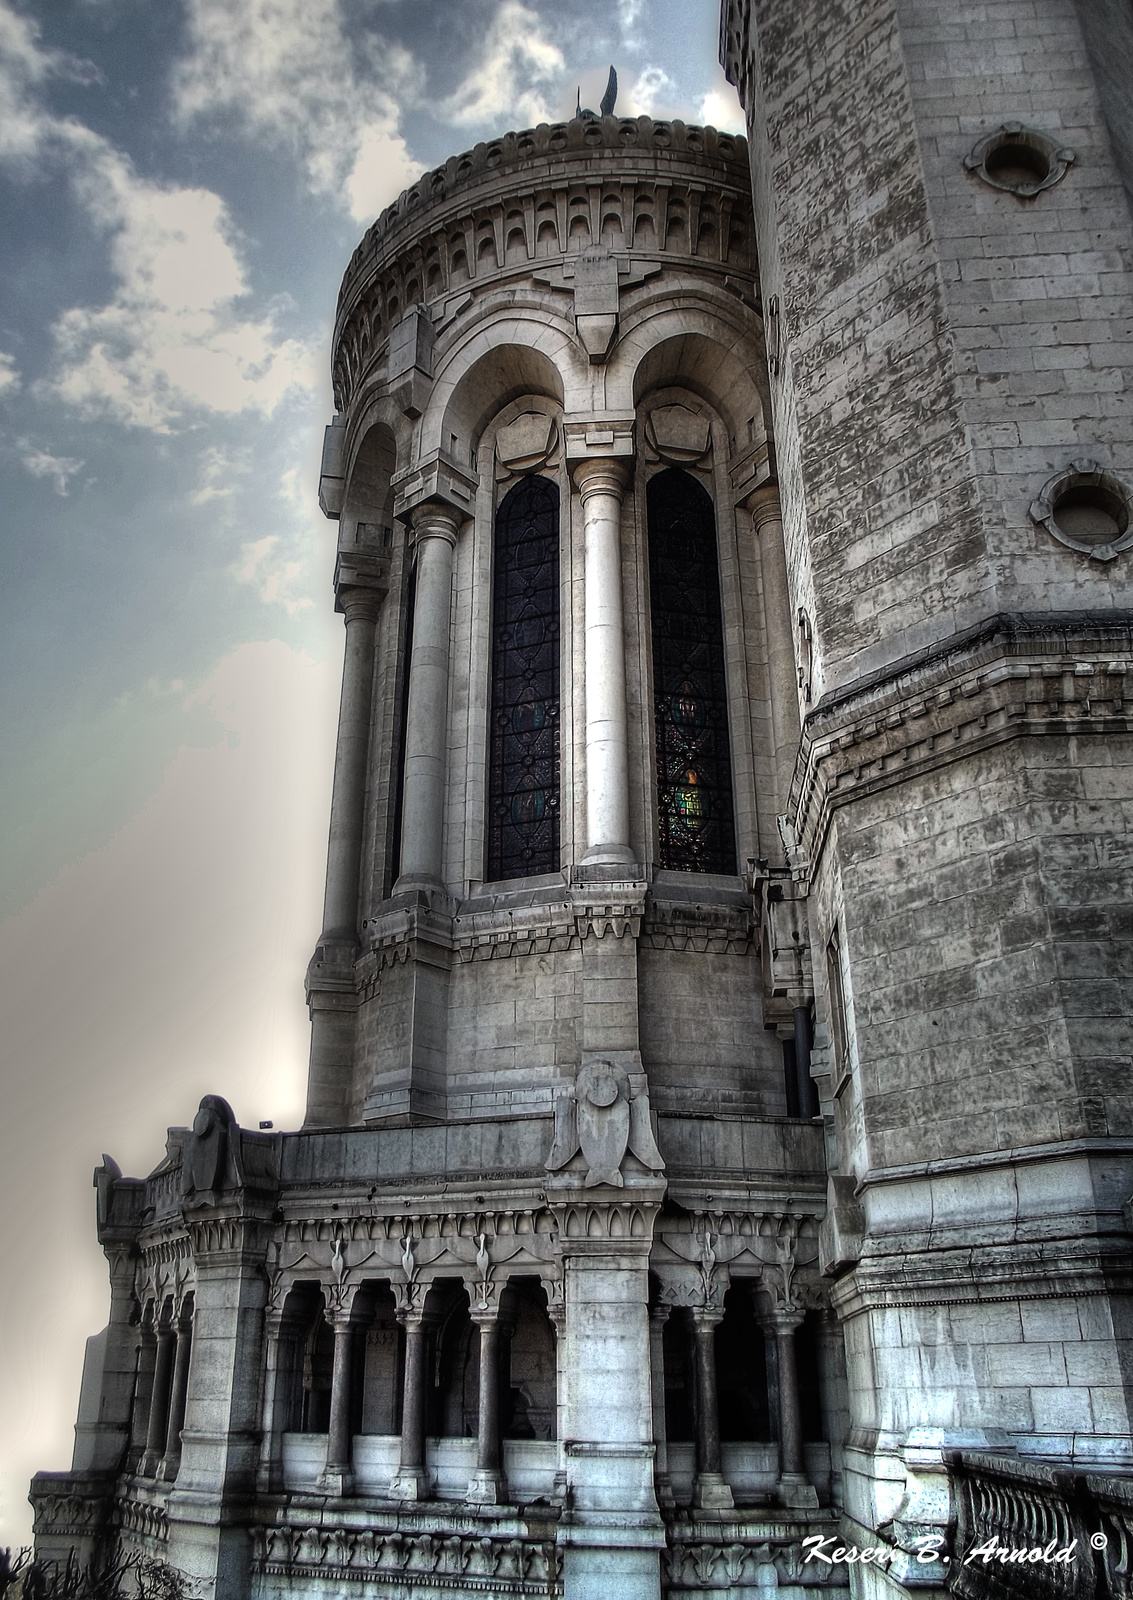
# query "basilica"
(717, 1169)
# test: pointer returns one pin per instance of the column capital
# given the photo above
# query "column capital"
(660, 1313)
(436, 519)
(358, 603)
(765, 506)
(601, 475)
(706, 1317)
(782, 1319)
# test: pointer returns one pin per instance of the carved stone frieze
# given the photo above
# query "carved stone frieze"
(483, 1248)
(737, 1556)
(695, 1257)
(470, 1563)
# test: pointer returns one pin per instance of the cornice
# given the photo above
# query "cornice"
(1015, 675)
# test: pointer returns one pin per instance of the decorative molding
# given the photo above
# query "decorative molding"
(478, 1564)
(516, 205)
(1017, 675)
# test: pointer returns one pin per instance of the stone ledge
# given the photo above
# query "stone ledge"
(1016, 675)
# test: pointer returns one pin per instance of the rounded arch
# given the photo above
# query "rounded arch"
(716, 353)
(367, 506)
(495, 363)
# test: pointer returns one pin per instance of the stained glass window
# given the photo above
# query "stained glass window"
(694, 779)
(523, 763)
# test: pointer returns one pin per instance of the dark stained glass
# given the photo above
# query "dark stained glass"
(694, 779)
(523, 762)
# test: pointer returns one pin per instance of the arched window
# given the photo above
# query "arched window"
(694, 778)
(523, 761)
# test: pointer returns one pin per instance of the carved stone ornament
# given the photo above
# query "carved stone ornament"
(211, 1161)
(677, 435)
(1086, 508)
(528, 443)
(1021, 161)
(604, 1115)
(104, 1178)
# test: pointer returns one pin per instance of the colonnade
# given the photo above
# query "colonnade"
(711, 1490)
(170, 1338)
(411, 1482)
(488, 1484)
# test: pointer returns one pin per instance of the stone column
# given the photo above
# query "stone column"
(340, 907)
(338, 1475)
(793, 1489)
(658, 1317)
(279, 1357)
(711, 1490)
(601, 481)
(556, 1312)
(157, 1426)
(778, 623)
(179, 1390)
(412, 1481)
(435, 527)
(488, 1487)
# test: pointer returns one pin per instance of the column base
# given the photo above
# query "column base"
(794, 1492)
(411, 1486)
(712, 1493)
(664, 1487)
(169, 1468)
(608, 855)
(336, 1481)
(487, 1488)
(150, 1465)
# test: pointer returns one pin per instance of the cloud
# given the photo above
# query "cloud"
(519, 62)
(41, 464)
(9, 377)
(291, 73)
(650, 84)
(721, 109)
(271, 575)
(220, 466)
(174, 339)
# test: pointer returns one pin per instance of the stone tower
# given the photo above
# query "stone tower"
(943, 230)
(532, 1303)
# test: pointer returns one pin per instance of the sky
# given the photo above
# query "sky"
(182, 183)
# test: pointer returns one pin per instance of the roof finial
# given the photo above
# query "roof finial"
(608, 101)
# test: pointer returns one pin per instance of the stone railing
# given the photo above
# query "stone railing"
(1080, 1523)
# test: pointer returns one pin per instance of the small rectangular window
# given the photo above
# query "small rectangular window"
(836, 989)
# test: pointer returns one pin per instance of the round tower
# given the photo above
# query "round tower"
(530, 1305)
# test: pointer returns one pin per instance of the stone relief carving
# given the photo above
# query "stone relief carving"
(604, 1115)
(211, 1160)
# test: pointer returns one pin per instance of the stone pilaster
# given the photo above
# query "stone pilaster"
(616, 1531)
